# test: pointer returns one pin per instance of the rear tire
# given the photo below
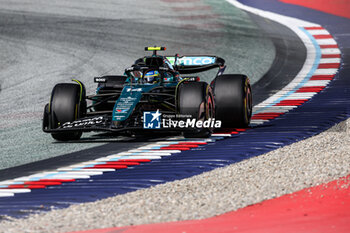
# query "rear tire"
(66, 105)
(195, 101)
(233, 100)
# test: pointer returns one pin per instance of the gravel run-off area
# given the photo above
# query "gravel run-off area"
(307, 163)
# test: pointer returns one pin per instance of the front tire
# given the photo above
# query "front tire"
(233, 100)
(66, 105)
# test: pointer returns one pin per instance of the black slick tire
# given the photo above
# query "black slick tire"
(65, 106)
(233, 100)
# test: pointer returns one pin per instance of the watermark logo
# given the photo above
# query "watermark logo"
(191, 123)
(157, 120)
(151, 120)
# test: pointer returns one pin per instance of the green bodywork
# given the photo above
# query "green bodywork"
(130, 96)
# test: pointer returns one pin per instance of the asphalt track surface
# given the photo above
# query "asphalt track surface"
(43, 43)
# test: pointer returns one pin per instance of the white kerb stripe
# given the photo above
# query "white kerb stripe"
(329, 60)
(316, 83)
(326, 41)
(15, 190)
(90, 172)
(221, 135)
(330, 51)
(318, 32)
(69, 176)
(150, 152)
(325, 71)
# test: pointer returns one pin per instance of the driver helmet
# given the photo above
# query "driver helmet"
(151, 76)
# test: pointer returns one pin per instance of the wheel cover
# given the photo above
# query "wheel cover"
(248, 103)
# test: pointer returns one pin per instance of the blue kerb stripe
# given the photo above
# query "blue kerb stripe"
(142, 151)
(121, 157)
(317, 59)
(307, 77)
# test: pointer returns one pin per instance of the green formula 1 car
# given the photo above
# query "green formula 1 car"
(156, 94)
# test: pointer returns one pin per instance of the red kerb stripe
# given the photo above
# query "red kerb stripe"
(46, 183)
(321, 78)
(182, 145)
(122, 163)
(263, 117)
(323, 36)
(241, 129)
(330, 56)
(329, 46)
(192, 143)
(174, 148)
(57, 180)
(310, 89)
(313, 28)
(328, 65)
(135, 160)
(24, 186)
(107, 166)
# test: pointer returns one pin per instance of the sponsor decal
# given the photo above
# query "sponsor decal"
(191, 79)
(124, 105)
(100, 80)
(133, 89)
(151, 120)
(83, 122)
(192, 61)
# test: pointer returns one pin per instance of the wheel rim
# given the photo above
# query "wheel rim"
(209, 108)
(249, 103)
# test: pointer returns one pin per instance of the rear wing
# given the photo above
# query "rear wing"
(189, 64)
